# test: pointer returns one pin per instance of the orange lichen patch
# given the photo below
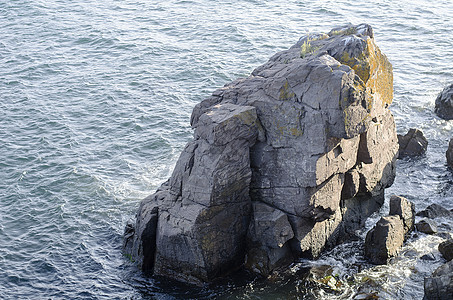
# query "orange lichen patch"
(374, 69)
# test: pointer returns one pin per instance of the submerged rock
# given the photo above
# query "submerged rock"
(426, 226)
(433, 211)
(283, 163)
(444, 103)
(440, 285)
(446, 248)
(449, 153)
(413, 143)
(384, 240)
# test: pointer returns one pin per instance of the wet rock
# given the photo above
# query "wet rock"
(405, 209)
(426, 226)
(433, 211)
(449, 153)
(444, 103)
(384, 240)
(446, 248)
(429, 256)
(283, 164)
(440, 285)
(412, 143)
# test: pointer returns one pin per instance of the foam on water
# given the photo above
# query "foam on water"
(95, 104)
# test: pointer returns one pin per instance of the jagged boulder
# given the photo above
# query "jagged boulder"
(444, 103)
(449, 153)
(283, 163)
(413, 143)
(384, 240)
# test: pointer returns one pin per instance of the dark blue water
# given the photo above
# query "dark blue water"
(95, 100)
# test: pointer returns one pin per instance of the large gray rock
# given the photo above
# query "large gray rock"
(449, 153)
(413, 143)
(444, 103)
(384, 240)
(284, 163)
(405, 209)
(440, 285)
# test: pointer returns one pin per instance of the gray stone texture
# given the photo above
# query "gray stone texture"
(284, 163)
(384, 240)
(440, 285)
(405, 209)
(444, 103)
(413, 143)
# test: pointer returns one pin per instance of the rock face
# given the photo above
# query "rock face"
(405, 209)
(412, 143)
(283, 163)
(449, 153)
(444, 103)
(384, 240)
(440, 285)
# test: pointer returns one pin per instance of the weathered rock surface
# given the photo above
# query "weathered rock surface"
(446, 248)
(440, 285)
(444, 103)
(283, 163)
(449, 153)
(426, 226)
(413, 143)
(384, 240)
(405, 209)
(433, 211)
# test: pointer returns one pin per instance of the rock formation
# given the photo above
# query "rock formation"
(412, 143)
(283, 163)
(444, 103)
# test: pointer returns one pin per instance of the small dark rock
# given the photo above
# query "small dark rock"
(440, 285)
(426, 226)
(412, 144)
(405, 209)
(429, 256)
(444, 103)
(446, 248)
(449, 153)
(434, 211)
(384, 240)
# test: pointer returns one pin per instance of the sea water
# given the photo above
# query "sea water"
(95, 101)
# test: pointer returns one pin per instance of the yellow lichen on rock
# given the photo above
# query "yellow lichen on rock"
(374, 69)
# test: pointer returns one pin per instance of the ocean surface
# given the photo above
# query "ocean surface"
(95, 100)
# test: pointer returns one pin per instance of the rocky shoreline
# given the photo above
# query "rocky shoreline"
(285, 164)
